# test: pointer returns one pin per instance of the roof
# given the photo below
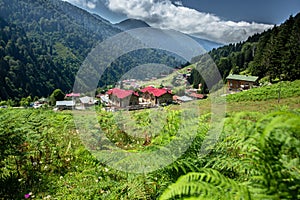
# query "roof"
(184, 98)
(198, 96)
(242, 77)
(65, 103)
(104, 98)
(121, 94)
(86, 100)
(73, 95)
(155, 91)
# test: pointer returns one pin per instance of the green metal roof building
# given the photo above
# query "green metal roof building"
(241, 82)
(242, 77)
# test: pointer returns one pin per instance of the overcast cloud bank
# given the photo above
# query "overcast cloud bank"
(166, 14)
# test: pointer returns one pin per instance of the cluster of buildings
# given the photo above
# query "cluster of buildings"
(120, 98)
(149, 96)
(146, 97)
(75, 100)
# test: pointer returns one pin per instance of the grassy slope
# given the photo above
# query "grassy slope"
(68, 171)
(166, 81)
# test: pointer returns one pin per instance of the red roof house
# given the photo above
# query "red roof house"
(156, 95)
(123, 98)
(73, 95)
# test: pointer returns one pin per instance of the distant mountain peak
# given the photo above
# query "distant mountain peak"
(130, 23)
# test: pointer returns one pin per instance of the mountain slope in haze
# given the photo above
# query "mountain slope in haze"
(206, 44)
(44, 42)
(134, 23)
(131, 24)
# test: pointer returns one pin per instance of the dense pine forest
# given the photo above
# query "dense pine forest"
(272, 55)
(44, 43)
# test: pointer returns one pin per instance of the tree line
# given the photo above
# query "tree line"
(44, 43)
(273, 55)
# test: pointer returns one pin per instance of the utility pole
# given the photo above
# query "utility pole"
(279, 91)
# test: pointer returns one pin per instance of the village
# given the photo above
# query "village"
(129, 95)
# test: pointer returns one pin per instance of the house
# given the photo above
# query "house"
(242, 82)
(123, 98)
(156, 96)
(87, 101)
(61, 105)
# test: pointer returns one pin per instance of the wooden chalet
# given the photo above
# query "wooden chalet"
(155, 96)
(241, 82)
(87, 101)
(123, 98)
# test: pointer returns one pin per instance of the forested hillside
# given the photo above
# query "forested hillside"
(44, 42)
(274, 54)
(28, 67)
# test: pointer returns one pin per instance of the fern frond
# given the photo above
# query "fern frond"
(206, 184)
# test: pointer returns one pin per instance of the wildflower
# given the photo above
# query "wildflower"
(27, 196)
(106, 169)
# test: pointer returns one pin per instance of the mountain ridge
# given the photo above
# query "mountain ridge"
(56, 36)
(130, 23)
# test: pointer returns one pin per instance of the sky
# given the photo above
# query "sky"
(224, 21)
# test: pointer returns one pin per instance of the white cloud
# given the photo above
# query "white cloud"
(178, 3)
(164, 14)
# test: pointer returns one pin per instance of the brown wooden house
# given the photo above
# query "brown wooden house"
(241, 82)
(123, 98)
(155, 96)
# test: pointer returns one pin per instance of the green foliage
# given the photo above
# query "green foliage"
(34, 151)
(257, 157)
(276, 159)
(206, 184)
(57, 95)
(285, 89)
(25, 102)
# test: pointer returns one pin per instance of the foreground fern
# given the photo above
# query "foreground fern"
(206, 184)
(261, 157)
(276, 159)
